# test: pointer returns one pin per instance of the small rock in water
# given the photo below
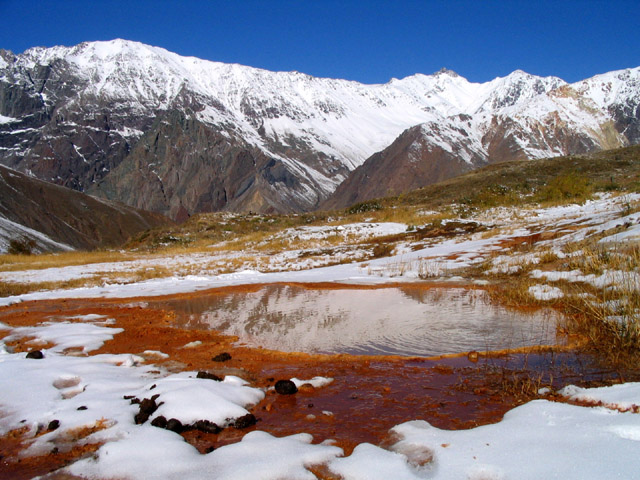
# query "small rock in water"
(36, 354)
(472, 356)
(208, 376)
(286, 387)
(222, 357)
(53, 425)
(245, 421)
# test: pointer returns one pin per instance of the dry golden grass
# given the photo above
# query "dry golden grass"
(10, 263)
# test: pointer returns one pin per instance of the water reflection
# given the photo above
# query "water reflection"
(397, 321)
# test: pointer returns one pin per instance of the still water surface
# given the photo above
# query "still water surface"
(383, 321)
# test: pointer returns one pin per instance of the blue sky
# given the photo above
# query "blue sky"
(370, 41)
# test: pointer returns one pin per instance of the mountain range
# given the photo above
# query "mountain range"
(179, 135)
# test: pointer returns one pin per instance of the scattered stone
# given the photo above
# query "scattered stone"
(152, 386)
(53, 425)
(222, 357)
(472, 356)
(286, 387)
(208, 376)
(132, 398)
(83, 407)
(147, 407)
(245, 421)
(206, 426)
(160, 422)
(175, 425)
(35, 354)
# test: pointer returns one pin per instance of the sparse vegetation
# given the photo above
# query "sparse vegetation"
(21, 246)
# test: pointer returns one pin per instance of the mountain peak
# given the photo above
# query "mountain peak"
(446, 71)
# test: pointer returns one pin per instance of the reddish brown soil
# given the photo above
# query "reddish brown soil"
(368, 396)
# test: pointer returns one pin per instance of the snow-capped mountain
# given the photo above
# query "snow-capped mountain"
(179, 135)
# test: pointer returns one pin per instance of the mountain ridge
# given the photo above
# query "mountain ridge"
(137, 123)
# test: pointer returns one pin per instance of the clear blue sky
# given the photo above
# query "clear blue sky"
(368, 41)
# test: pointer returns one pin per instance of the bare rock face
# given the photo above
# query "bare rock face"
(182, 166)
(411, 162)
(67, 216)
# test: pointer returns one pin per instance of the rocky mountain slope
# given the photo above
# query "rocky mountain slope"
(54, 218)
(179, 135)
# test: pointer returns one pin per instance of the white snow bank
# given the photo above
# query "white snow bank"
(83, 392)
(621, 397)
(538, 440)
(66, 335)
(191, 399)
(149, 453)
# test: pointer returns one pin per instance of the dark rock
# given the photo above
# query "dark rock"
(140, 418)
(147, 407)
(206, 426)
(208, 376)
(132, 398)
(222, 357)
(82, 408)
(209, 449)
(160, 422)
(53, 425)
(36, 354)
(245, 421)
(175, 425)
(286, 387)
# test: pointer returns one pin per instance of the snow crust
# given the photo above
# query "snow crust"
(620, 397)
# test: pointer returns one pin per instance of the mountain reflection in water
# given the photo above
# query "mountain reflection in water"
(409, 320)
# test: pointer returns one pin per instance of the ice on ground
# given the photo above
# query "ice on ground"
(67, 335)
(545, 292)
(316, 382)
(621, 397)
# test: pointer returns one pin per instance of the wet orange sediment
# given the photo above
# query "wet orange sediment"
(368, 396)
(14, 466)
